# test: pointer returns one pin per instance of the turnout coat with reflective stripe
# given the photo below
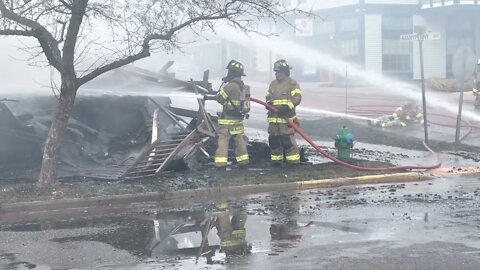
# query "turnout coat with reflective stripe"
(229, 98)
(286, 92)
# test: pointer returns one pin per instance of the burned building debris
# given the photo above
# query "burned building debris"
(111, 136)
(20, 147)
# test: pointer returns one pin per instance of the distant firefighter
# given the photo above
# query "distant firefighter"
(406, 115)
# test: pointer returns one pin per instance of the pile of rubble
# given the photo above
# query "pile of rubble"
(109, 136)
(448, 85)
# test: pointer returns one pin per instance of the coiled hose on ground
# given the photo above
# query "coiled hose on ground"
(345, 164)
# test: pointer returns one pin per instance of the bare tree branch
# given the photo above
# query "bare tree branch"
(62, 33)
(67, 5)
(168, 35)
(113, 65)
(8, 32)
(47, 41)
(78, 12)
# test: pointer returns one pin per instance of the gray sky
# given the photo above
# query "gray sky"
(16, 74)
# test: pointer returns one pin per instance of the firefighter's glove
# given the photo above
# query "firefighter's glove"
(267, 105)
(283, 110)
(209, 97)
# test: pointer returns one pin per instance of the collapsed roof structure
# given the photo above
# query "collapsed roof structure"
(110, 136)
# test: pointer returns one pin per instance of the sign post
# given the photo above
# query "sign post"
(463, 66)
(420, 36)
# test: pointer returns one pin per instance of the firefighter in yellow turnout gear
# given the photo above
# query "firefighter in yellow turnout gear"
(406, 115)
(284, 94)
(235, 99)
(232, 232)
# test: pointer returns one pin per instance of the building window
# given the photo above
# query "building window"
(396, 54)
(350, 24)
(326, 27)
(396, 63)
(458, 34)
(349, 48)
(397, 23)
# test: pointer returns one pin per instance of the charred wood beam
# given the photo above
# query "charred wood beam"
(202, 112)
(11, 120)
(164, 69)
(184, 112)
(169, 159)
(165, 78)
(171, 115)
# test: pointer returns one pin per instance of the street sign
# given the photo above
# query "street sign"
(424, 36)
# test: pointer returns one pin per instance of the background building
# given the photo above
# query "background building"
(367, 32)
(363, 32)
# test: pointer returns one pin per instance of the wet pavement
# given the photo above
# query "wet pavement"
(425, 225)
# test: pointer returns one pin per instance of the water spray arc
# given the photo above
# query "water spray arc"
(316, 58)
(345, 164)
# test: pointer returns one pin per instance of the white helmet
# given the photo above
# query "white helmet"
(478, 61)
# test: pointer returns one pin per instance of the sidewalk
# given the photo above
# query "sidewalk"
(28, 210)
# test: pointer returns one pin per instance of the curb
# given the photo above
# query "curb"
(201, 195)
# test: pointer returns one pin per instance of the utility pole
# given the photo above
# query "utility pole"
(460, 102)
(421, 35)
(424, 99)
(463, 66)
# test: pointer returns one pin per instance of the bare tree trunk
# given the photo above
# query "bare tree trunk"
(48, 173)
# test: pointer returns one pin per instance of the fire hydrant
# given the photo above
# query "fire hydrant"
(344, 141)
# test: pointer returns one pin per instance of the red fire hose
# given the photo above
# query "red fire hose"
(343, 163)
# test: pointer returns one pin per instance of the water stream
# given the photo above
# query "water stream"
(291, 50)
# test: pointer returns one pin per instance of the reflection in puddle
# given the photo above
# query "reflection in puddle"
(215, 235)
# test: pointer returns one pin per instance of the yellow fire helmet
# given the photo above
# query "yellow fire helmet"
(236, 66)
(281, 65)
(222, 206)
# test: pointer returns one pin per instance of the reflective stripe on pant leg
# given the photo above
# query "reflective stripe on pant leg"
(292, 153)
(221, 161)
(241, 149)
(221, 154)
(243, 159)
(276, 148)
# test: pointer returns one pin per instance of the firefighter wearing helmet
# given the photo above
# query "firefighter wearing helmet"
(285, 95)
(476, 86)
(235, 99)
(404, 116)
